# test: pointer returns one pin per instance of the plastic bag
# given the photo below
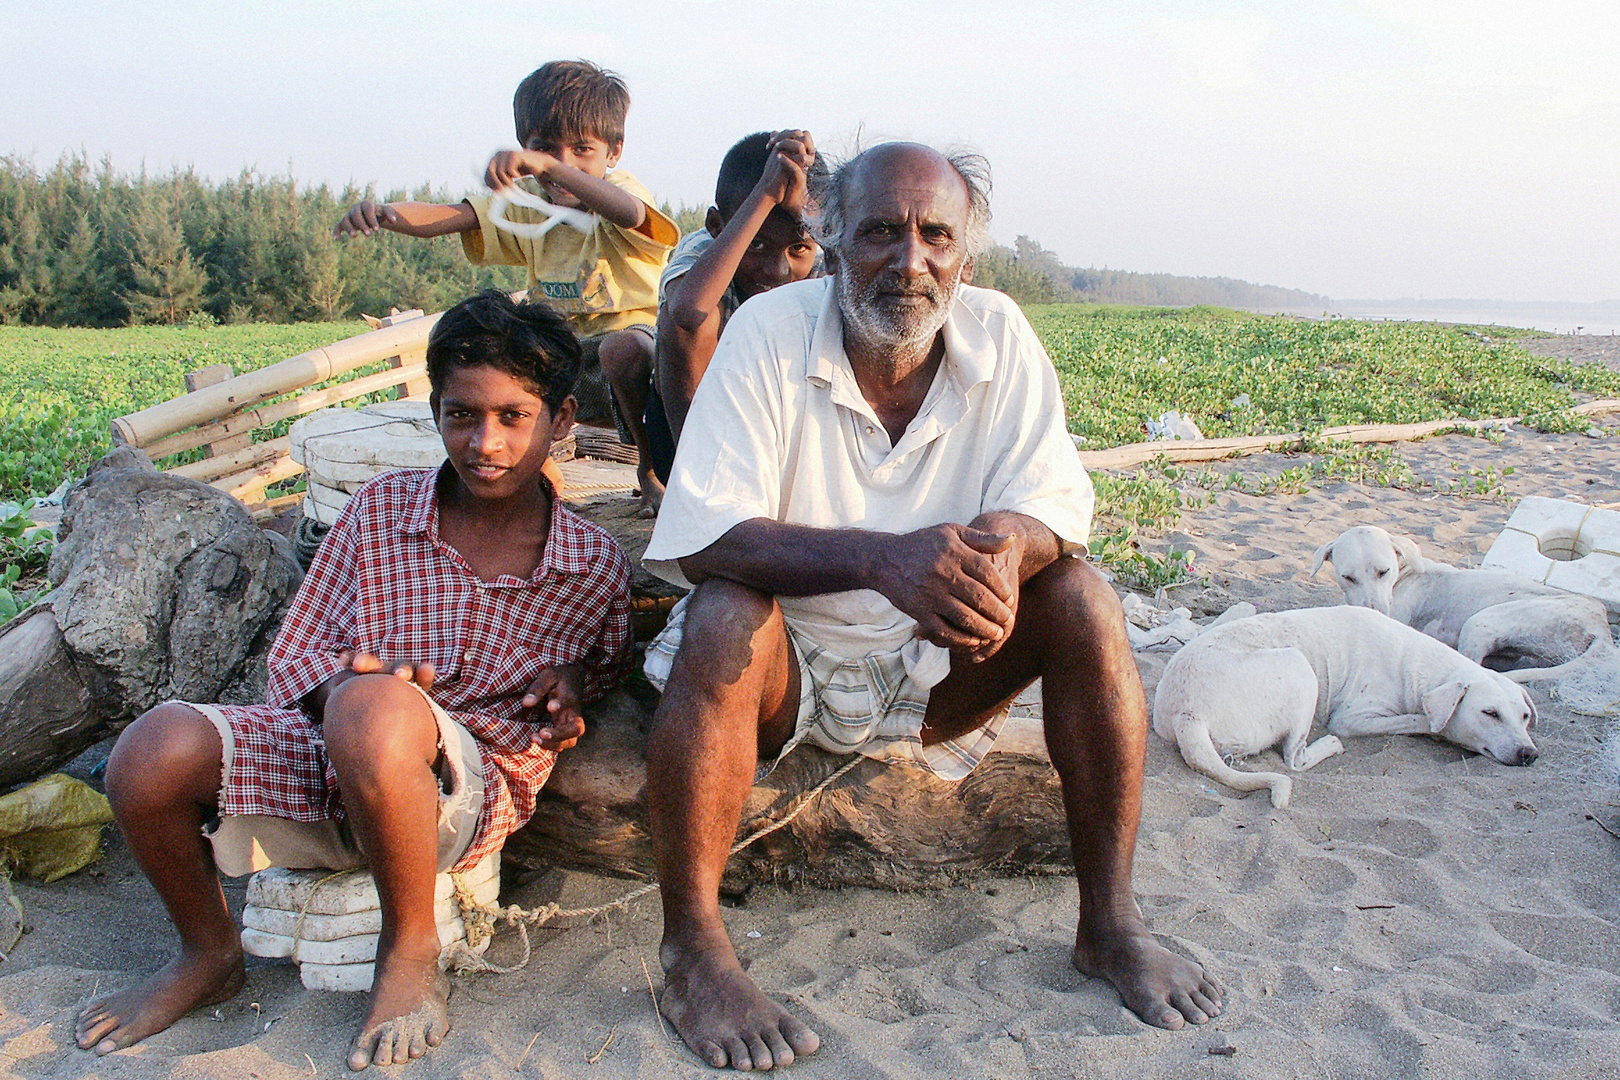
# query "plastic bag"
(52, 827)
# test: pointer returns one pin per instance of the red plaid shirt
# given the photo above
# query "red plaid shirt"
(384, 582)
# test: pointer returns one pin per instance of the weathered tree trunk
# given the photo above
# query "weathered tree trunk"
(46, 715)
(163, 588)
(879, 825)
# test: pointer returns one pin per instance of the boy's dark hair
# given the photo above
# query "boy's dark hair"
(528, 341)
(570, 99)
(741, 169)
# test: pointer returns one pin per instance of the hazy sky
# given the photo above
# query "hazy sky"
(1357, 148)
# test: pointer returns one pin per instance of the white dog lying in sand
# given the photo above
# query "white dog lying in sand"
(1487, 615)
(1242, 687)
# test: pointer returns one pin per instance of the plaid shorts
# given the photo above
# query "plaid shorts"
(868, 705)
(246, 843)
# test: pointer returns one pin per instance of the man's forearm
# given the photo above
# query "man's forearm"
(789, 560)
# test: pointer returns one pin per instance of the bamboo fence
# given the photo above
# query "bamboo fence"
(221, 410)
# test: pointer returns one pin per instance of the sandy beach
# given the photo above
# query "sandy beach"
(1417, 912)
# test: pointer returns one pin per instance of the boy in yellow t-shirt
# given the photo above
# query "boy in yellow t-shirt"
(569, 116)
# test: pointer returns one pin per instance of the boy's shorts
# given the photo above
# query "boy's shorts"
(594, 393)
(868, 705)
(245, 843)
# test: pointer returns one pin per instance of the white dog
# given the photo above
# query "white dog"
(1241, 688)
(1483, 614)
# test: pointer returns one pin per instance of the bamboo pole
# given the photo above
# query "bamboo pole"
(318, 365)
(226, 464)
(1123, 457)
(271, 507)
(267, 415)
(261, 476)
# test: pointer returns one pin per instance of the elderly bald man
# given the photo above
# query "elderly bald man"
(875, 498)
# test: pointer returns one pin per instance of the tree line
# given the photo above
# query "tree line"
(1032, 275)
(84, 245)
(91, 246)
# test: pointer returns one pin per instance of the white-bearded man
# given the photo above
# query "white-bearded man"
(876, 499)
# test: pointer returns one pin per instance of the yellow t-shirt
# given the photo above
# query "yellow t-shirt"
(600, 281)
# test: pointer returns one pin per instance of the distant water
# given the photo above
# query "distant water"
(1554, 318)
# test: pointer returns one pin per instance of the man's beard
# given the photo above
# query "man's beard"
(872, 321)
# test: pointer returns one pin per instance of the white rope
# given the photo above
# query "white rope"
(578, 220)
(481, 919)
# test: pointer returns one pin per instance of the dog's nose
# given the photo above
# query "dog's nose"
(1526, 755)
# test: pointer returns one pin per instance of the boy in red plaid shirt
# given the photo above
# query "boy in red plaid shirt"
(427, 673)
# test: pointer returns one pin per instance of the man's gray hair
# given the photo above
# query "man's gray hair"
(829, 194)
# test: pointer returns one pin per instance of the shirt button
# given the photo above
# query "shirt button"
(870, 429)
(466, 657)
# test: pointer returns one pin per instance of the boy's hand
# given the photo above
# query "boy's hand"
(553, 703)
(364, 663)
(786, 178)
(507, 165)
(365, 218)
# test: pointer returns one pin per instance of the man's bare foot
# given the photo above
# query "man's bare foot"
(408, 1013)
(1164, 989)
(722, 1015)
(191, 980)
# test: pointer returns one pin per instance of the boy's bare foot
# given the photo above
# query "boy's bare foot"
(652, 494)
(722, 1015)
(191, 980)
(408, 1013)
(1164, 989)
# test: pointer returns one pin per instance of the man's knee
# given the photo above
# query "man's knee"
(722, 611)
(167, 750)
(1072, 595)
(733, 641)
(378, 718)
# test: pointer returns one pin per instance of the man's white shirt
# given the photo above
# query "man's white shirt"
(779, 429)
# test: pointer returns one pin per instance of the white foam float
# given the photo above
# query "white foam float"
(336, 943)
(578, 220)
(1567, 545)
(341, 449)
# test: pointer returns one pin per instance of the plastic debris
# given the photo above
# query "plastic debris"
(52, 827)
(1173, 425)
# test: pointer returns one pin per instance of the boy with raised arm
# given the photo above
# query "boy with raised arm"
(754, 240)
(569, 116)
(429, 670)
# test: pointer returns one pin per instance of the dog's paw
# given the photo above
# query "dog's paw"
(1282, 789)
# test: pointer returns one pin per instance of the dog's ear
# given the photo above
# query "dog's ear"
(1440, 704)
(1323, 554)
(1529, 704)
(1407, 554)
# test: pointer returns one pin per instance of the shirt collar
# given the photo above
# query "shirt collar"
(970, 351)
(567, 550)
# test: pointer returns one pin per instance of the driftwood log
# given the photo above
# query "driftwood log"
(162, 587)
(879, 825)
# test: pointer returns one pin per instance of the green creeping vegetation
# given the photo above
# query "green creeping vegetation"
(1122, 366)
(25, 549)
(64, 386)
